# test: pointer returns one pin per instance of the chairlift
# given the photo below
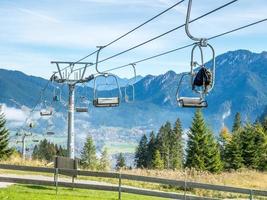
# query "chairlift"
(57, 94)
(82, 105)
(130, 86)
(107, 101)
(35, 141)
(49, 128)
(202, 78)
(50, 133)
(31, 125)
(45, 111)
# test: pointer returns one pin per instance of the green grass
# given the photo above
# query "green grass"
(31, 192)
(120, 147)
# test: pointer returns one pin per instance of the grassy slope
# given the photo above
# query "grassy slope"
(243, 178)
(30, 192)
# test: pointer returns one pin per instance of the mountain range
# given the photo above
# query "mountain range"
(240, 86)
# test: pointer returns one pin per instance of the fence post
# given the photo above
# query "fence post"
(185, 185)
(120, 185)
(251, 195)
(56, 180)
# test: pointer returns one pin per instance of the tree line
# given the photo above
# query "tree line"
(161, 151)
(46, 150)
(245, 146)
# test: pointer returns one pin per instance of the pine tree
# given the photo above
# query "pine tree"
(5, 151)
(47, 151)
(104, 163)
(151, 148)
(176, 146)
(196, 143)
(225, 136)
(62, 151)
(264, 123)
(233, 152)
(253, 141)
(141, 153)
(158, 163)
(35, 153)
(237, 122)
(202, 149)
(120, 162)
(213, 157)
(163, 143)
(224, 140)
(88, 155)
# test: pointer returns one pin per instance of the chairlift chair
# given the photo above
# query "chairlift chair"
(203, 80)
(82, 105)
(57, 94)
(31, 125)
(107, 101)
(127, 96)
(45, 111)
(81, 109)
(50, 133)
(130, 86)
(111, 101)
(35, 141)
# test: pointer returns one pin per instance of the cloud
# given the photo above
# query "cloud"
(147, 3)
(38, 15)
(34, 33)
(14, 114)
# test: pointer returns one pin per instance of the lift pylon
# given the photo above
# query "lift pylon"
(71, 73)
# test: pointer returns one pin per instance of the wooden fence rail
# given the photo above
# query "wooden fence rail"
(120, 177)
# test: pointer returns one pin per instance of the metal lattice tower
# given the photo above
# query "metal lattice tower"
(71, 76)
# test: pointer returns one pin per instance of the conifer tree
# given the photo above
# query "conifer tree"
(151, 148)
(104, 163)
(253, 141)
(197, 141)
(224, 139)
(47, 151)
(120, 162)
(88, 155)
(264, 123)
(157, 161)
(35, 152)
(237, 122)
(5, 151)
(212, 154)
(202, 149)
(141, 153)
(233, 152)
(176, 146)
(163, 143)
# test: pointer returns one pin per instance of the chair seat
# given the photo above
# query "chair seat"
(106, 102)
(50, 133)
(46, 113)
(81, 109)
(190, 102)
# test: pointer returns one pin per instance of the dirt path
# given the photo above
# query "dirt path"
(47, 178)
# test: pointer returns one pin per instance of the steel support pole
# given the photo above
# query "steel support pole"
(71, 122)
(23, 147)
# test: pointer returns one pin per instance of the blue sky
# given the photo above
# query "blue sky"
(33, 33)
